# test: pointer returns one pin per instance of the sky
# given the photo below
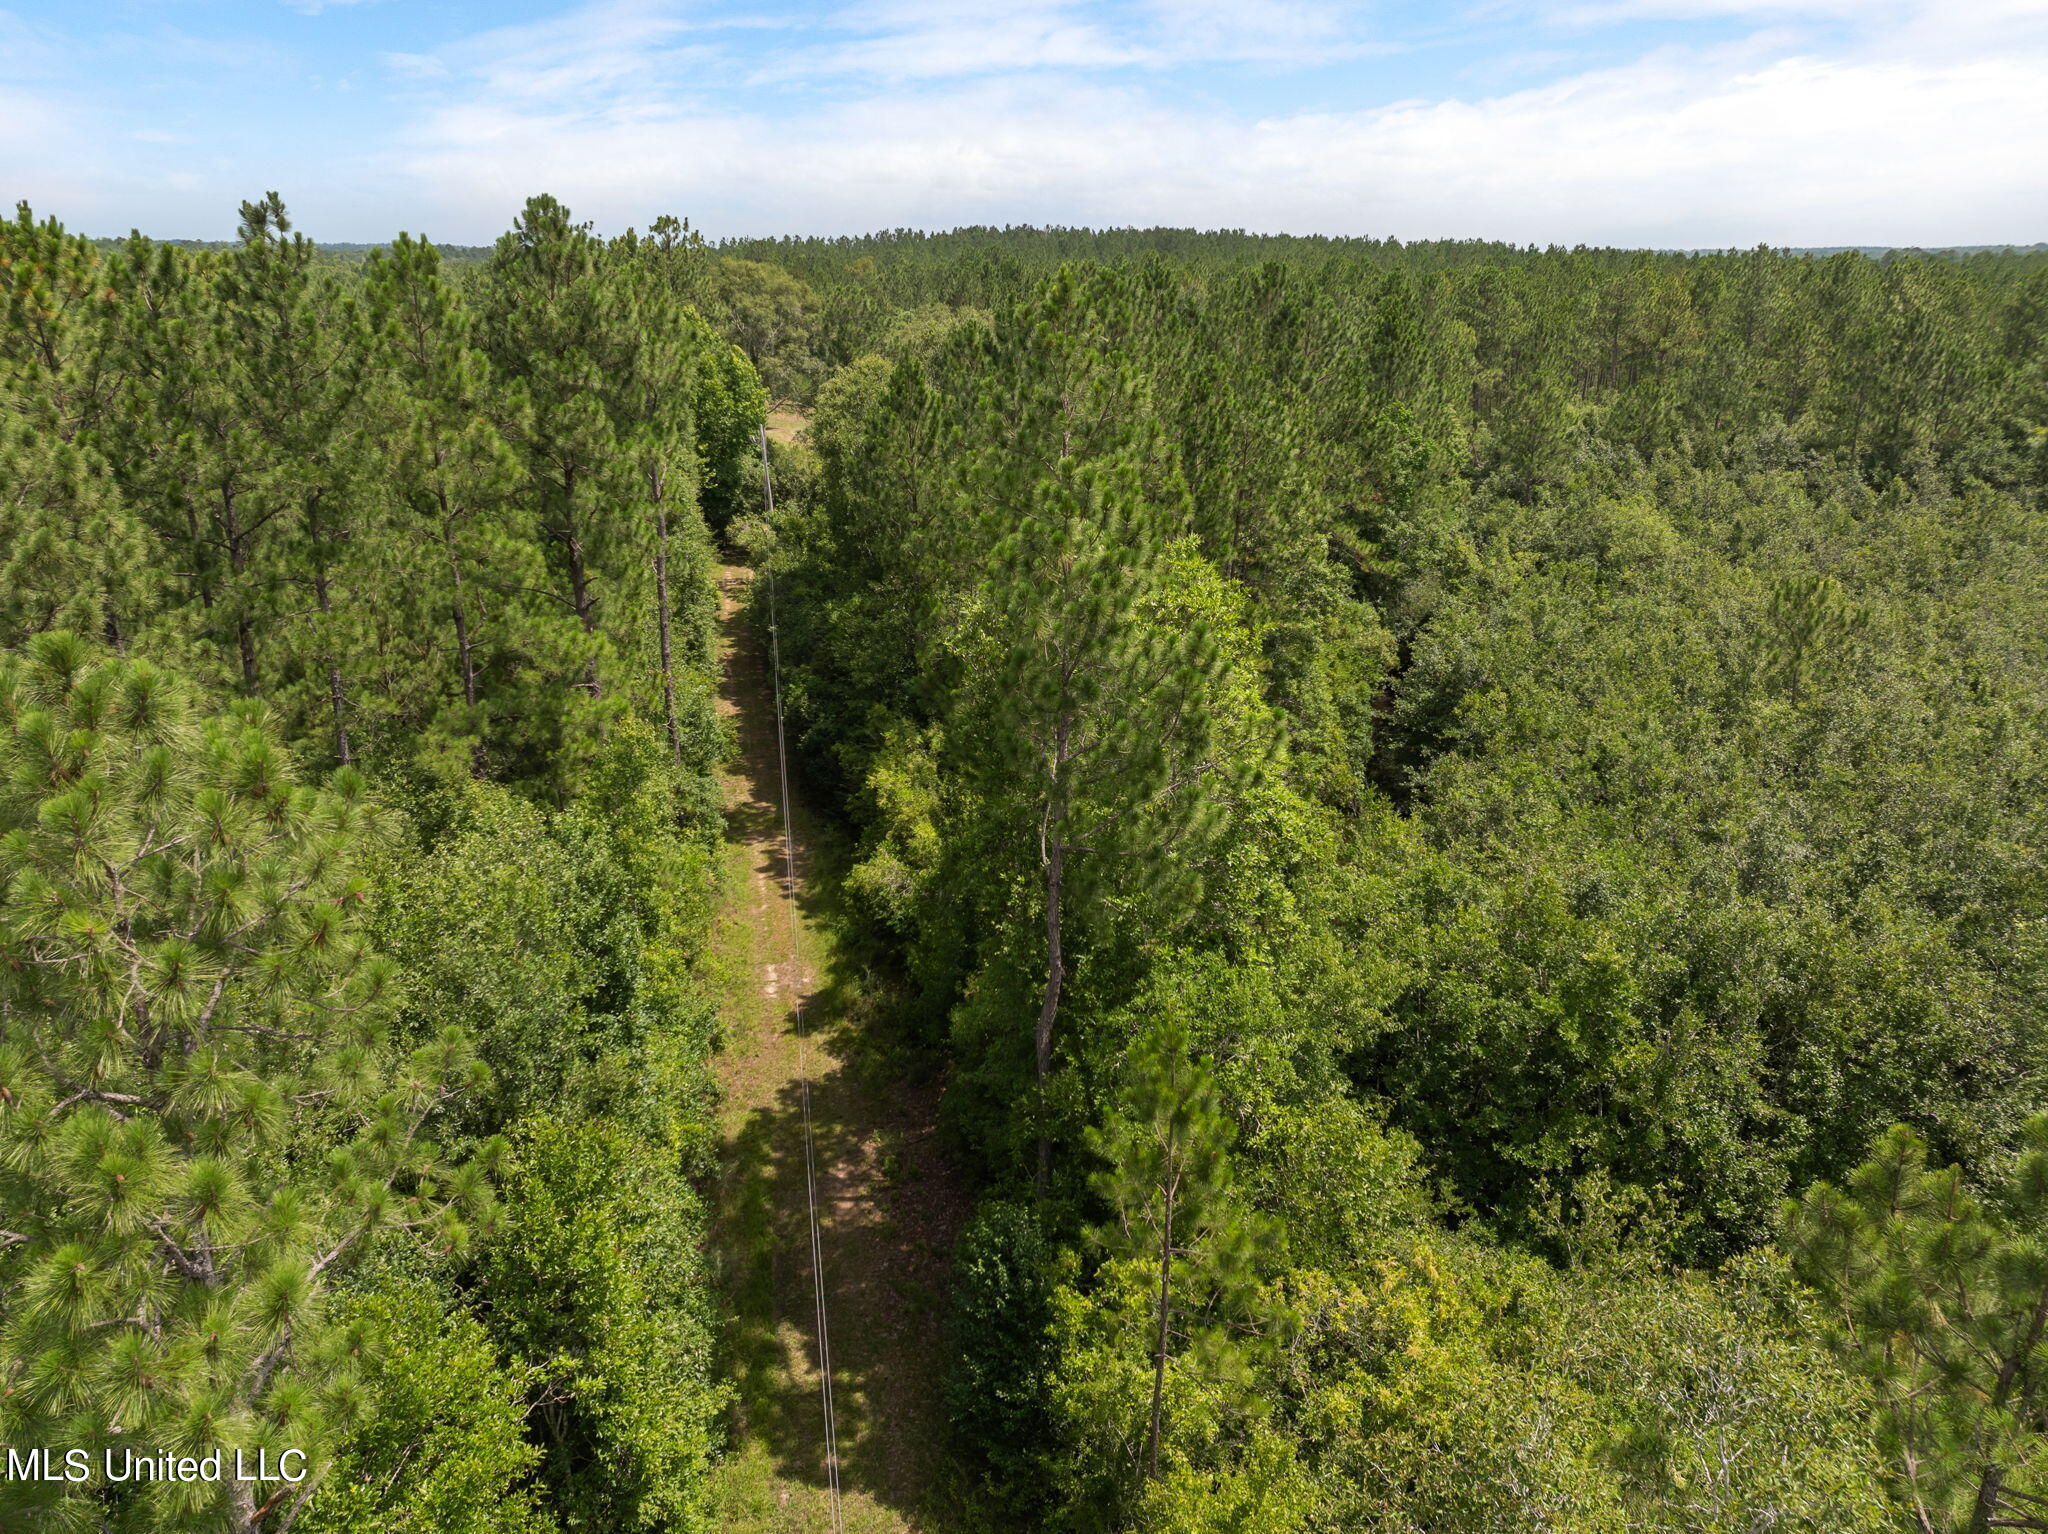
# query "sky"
(1671, 123)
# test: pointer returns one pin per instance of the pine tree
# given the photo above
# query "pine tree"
(656, 408)
(291, 345)
(61, 356)
(1939, 1298)
(607, 365)
(1102, 729)
(199, 1131)
(729, 401)
(560, 332)
(233, 443)
(71, 554)
(450, 477)
(1171, 1186)
(1808, 621)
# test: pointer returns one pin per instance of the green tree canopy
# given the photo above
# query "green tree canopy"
(200, 1126)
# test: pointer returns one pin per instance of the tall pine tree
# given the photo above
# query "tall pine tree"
(199, 1130)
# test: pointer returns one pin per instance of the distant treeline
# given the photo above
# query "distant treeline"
(339, 251)
(1433, 806)
(1462, 827)
(357, 818)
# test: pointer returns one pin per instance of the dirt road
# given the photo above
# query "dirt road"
(888, 1207)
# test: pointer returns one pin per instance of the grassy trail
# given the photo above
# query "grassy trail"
(887, 1205)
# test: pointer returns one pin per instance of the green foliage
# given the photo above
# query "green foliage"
(1806, 620)
(598, 1283)
(1412, 1421)
(1343, 1186)
(497, 882)
(1174, 1216)
(440, 529)
(732, 403)
(996, 1388)
(1676, 913)
(1939, 1297)
(75, 559)
(1460, 1388)
(589, 342)
(903, 844)
(433, 523)
(1213, 1428)
(595, 1287)
(451, 478)
(201, 1126)
(1653, 646)
(771, 317)
(440, 1445)
(1541, 742)
(605, 904)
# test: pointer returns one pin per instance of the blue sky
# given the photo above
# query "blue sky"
(1653, 122)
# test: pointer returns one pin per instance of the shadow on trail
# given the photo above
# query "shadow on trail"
(884, 1271)
(887, 1205)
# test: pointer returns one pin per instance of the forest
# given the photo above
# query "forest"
(1449, 836)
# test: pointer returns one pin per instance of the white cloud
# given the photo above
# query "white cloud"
(29, 120)
(1254, 29)
(414, 66)
(1588, 13)
(908, 40)
(903, 46)
(1801, 150)
(583, 54)
(1910, 122)
(1734, 145)
(93, 183)
(1970, 22)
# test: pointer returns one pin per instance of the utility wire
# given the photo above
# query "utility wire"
(802, 1030)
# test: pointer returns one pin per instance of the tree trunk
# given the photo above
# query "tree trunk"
(242, 1501)
(668, 675)
(245, 646)
(1992, 1487)
(579, 586)
(579, 577)
(334, 693)
(238, 561)
(1159, 1354)
(1986, 1507)
(1054, 855)
(334, 698)
(463, 647)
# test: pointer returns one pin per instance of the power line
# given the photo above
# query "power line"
(802, 1030)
